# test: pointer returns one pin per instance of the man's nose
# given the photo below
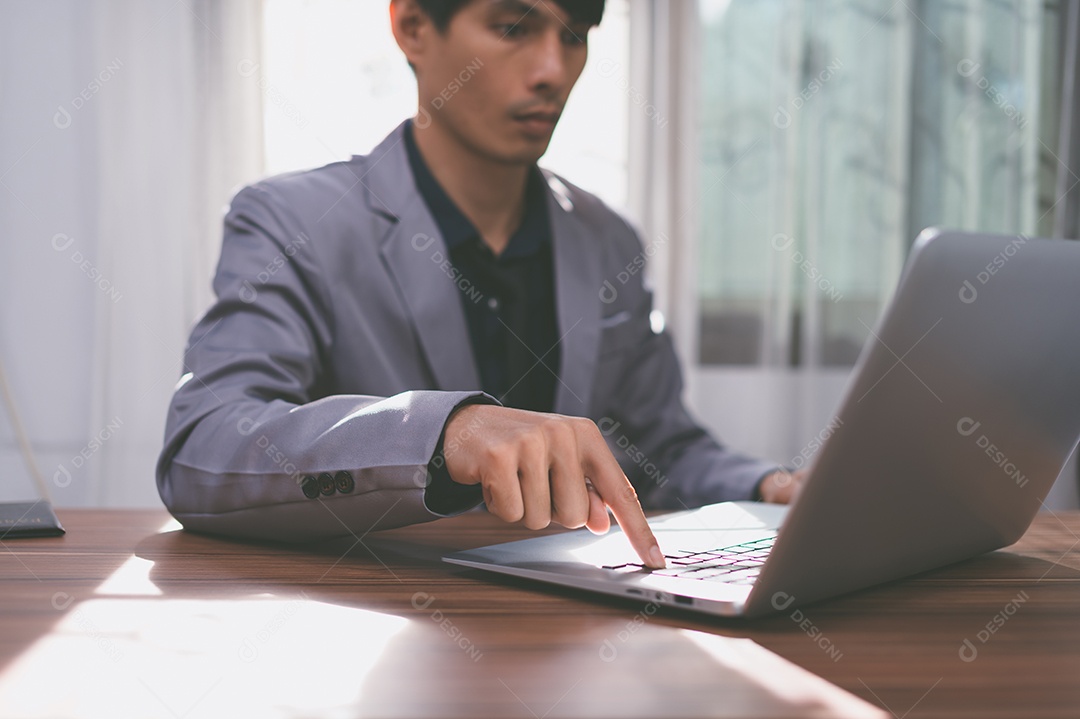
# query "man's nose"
(549, 69)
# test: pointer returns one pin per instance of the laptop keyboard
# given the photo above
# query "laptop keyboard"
(738, 564)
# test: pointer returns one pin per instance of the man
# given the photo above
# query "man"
(394, 334)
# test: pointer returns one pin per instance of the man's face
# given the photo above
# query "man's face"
(498, 77)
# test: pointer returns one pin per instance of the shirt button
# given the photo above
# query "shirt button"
(493, 304)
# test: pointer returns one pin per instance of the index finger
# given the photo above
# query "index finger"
(617, 492)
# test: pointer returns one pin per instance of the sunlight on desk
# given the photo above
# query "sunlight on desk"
(197, 658)
(773, 674)
(133, 577)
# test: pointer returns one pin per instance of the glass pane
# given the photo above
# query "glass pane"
(831, 133)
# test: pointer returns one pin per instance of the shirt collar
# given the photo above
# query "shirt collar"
(457, 229)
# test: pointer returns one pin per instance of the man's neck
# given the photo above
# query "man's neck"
(490, 194)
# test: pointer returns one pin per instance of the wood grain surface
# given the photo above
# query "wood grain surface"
(127, 615)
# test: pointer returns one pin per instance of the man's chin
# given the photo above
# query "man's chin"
(519, 155)
(530, 151)
(531, 158)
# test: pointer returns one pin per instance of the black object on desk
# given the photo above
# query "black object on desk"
(28, 519)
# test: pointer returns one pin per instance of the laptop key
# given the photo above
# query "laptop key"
(686, 560)
(669, 572)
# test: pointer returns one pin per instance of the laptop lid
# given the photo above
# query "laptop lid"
(962, 410)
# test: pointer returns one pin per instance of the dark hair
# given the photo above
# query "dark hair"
(442, 11)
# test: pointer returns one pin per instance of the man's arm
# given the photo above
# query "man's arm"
(257, 444)
(669, 457)
(672, 460)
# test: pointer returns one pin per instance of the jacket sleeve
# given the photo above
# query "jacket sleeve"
(256, 444)
(671, 460)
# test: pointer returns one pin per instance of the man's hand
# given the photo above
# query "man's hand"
(782, 487)
(545, 468)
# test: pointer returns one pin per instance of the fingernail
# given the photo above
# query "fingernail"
(656, 557)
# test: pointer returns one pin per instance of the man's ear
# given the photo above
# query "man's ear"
(411, 27)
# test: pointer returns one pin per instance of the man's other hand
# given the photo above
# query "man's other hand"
(782, 487)
(544, 468)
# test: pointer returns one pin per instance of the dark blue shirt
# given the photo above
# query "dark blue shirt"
(509, 303)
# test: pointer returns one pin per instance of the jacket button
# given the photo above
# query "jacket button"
(326, 484)
(310, 485)
(344, 482)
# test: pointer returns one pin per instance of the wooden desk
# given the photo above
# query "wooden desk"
(125, 616)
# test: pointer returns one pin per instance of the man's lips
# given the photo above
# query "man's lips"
(539, 121)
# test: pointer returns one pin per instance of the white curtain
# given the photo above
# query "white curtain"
(126, 127)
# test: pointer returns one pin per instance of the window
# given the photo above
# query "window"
(831, 133)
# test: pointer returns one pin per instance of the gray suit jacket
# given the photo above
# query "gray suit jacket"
(338, 344)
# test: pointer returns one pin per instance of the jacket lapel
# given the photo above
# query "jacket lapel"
(417, 260)
(577, 298)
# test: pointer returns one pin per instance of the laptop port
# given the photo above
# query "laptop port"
(680, 599)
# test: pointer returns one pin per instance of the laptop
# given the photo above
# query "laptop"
(960, 413)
